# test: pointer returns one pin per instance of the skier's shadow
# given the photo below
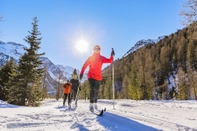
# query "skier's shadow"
(117, 123)
(63, 108)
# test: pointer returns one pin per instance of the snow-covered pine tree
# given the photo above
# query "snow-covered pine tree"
(30, 72)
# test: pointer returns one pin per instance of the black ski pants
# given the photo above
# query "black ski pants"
(94, 89)
(74, 93)
(65, 97)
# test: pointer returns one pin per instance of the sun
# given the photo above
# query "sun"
(82, 46)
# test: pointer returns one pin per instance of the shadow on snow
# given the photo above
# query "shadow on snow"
(115, 122)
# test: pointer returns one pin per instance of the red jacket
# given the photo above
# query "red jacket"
(95, 63)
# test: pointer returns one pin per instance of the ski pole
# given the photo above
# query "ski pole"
(113, 81)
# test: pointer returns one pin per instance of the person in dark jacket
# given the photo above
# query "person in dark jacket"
(75, 84)
(95, 63)
(67, 88)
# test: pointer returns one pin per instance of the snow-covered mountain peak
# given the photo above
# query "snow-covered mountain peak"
(12, 49)
(66, 68)
(142, 43)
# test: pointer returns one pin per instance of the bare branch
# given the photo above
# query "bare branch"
(189, 12)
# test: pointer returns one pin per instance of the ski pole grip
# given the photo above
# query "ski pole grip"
(113, 52)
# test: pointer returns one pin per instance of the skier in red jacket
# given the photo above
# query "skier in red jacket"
(95, 63)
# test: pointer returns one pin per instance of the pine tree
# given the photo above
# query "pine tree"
(59, 89)
(44, 84)
(183, 91)
(125, 85)
(135, 90)
(14, 95)
(192, 67)
(29, 72)
(194, 89)
(5, 73)
(84, 93)
(143, 71)
(108, 88)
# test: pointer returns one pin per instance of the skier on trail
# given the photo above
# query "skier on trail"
(75, 84)
(95, 63)
(67, 88)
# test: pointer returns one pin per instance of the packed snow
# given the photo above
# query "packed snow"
(125, 115)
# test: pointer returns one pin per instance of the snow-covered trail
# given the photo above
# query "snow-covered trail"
(128, 116)
(162, 115)
(52, 116)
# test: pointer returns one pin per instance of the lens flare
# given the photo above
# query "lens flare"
(82, 46)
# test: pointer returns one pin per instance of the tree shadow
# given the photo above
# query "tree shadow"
(6, 105)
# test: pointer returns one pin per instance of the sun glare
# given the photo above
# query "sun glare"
(82, 45)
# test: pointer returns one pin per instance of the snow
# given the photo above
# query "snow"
(12, 49)
(172, 80)
(128, 115)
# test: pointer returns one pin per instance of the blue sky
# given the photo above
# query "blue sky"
(108, 23)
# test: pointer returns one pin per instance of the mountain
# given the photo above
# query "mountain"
(54, 72)
(10, 49)
(142, 43)
(156, 68)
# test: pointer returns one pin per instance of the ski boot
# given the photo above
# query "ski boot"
(95, 106)
(91, 107)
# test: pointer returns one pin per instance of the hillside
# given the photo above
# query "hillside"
(165, 69)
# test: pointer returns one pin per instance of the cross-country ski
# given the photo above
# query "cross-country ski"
(99, 112)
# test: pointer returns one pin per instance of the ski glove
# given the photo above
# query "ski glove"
(81, 75)
(112, 52)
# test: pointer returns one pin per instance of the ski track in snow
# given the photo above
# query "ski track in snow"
(128, 115)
